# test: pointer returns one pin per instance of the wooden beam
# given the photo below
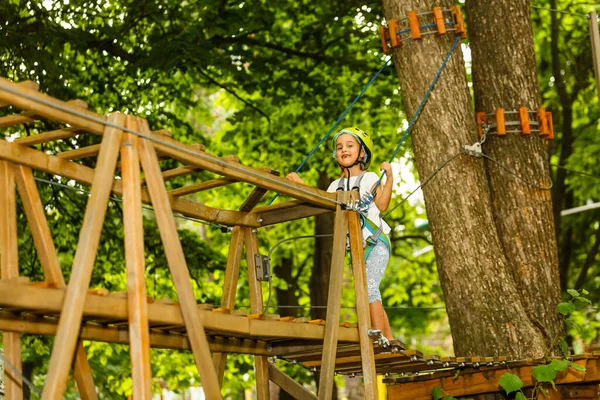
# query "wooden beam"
(85, 255)
(25, 84)
(82, 152)
(134, 260)
(284, 212)
(257, 194)
(28, 116)
(362, 304)
(199, 187)
(334, 296)
(289, 385)
(51, 164)
(188, 169)
(42, 240)
(177, 265)
(49, 136)
(486, 381)
(256, 307)
(595, 44)
(9, 269)
(230, 282)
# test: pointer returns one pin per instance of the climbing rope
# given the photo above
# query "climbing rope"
(385, 64)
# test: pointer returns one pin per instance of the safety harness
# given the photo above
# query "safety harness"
(377, 233)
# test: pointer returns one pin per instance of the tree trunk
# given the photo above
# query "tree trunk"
(287, 297)
(484, 305)
(505, 76)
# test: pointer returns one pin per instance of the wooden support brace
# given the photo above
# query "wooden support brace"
(438, 20)
(9, 265)
(524, 120)
(31, 85)
(177, 265)
(256, 307)
(49, 136)
(413, 22)
(257, 194)
(289, 385)
(89, 237)
(330, 341)
(139, 347)
(42, 240)
(500, 121)
(362, 306)
(232, 273)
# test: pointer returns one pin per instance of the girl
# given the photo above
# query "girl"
(353, 151)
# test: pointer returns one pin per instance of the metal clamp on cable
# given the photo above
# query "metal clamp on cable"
(379, 338)
(474, 149)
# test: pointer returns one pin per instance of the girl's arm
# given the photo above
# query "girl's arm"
(384, 195)
(292, 176)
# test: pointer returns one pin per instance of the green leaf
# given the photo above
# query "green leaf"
(573, 292)
(544, 373)
(566, 308)
(560, 365)
(449, 398)
(510, 382)
(520, 396)
(584, 292)
(578, 367)
(437, 393)
(583, 300)
(564, 347)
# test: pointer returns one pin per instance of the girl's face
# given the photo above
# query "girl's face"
(347, 150)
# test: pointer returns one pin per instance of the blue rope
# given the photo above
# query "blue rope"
(385, 64)
(417, 113)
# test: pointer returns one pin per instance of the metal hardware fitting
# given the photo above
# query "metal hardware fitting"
(263, 267)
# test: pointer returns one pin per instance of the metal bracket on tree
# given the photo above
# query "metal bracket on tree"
(520, 121)
(410, 28)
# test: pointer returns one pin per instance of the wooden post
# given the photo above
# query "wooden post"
(362, 306)
(595, 38)
(177, 265)
(334, 296)
(137, 305)
(9, 263)
(42, 239)
(261, 363)
(85, 256)
(232, 273)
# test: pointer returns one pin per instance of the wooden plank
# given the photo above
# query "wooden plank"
(82, 152)
(17, 119)
(326, 380)
(284, 212)
(49, 136)
(119, 335)
(134, 260)
(47, 163)
(289, 385)
(362, 304)
(230, 282)
(257, 194)
(9, 267)
(486, 381)
(261, 364)
(42, 239)
(188, 169)
(595, 44)
(199, 187)
(63, 349)
(177, 265)
(25, 84)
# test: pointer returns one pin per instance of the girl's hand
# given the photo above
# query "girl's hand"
(387, 167)
(292, 176)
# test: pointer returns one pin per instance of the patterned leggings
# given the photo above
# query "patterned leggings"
(375, 267)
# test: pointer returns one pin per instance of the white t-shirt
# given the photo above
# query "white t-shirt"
(367, 182)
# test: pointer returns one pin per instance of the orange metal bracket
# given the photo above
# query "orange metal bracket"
(481, 118)
(542, 119)
(383, 33)
(393, 28)
(438, 20)
(459, 20)
(524, 119)
(550, 125)
(413, 21)
(500, 121)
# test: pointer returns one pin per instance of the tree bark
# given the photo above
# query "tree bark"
(485, 310)
(505, 76)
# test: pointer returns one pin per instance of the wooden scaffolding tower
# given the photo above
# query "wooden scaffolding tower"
(72, 313)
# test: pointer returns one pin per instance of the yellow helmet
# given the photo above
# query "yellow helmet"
(364, 140)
